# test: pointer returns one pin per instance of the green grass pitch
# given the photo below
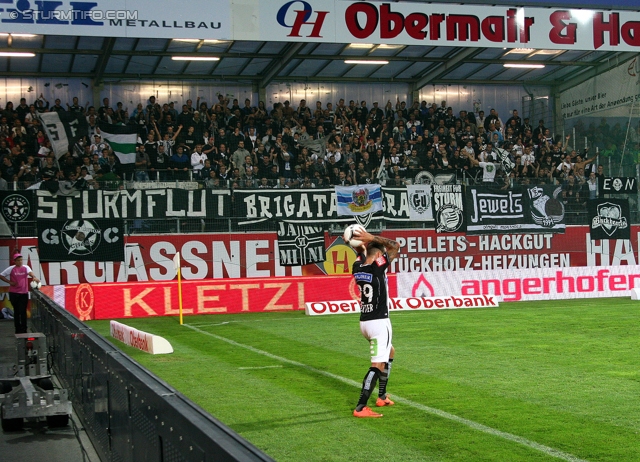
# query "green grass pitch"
(552, 380)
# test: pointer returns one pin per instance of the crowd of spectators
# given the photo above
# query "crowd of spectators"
(228, 145)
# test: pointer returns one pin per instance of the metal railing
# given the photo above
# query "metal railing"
(129, 413)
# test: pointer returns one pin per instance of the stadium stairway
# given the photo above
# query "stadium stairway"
(36, 441)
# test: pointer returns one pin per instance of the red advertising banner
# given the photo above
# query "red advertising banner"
(136, 300)
(240, 255)
(427, 251)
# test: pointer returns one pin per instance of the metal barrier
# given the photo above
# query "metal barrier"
(129, 413)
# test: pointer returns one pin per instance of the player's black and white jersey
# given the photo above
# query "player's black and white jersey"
(372, 281)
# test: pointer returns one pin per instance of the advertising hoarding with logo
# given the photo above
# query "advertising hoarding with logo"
(136, 300)
(333, 21)
(119, 18)
(447, 24)
(526, 284)
(448, 302)
(243, 255)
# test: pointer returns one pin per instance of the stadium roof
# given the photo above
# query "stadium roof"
(261, 62)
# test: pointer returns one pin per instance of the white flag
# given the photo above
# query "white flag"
(176, 262)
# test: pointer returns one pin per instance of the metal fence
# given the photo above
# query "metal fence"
(130, 414)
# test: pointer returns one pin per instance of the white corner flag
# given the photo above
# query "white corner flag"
(176, 262)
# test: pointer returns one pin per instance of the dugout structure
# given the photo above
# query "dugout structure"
(129, 413)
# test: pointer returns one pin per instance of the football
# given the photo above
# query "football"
(348, 235)
(36, 285)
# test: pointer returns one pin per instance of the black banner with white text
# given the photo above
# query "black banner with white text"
(448, 208)
(300, 244)
(536, 209)
(81, 240)
(620, 185)
(135, 204)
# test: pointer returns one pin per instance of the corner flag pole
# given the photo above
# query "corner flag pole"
(176, 264)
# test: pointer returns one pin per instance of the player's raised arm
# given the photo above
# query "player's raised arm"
(391, 246)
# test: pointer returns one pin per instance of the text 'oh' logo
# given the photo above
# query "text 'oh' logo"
(302, 17)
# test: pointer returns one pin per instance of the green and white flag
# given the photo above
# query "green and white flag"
(122, 140)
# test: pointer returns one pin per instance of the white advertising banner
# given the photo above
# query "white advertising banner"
(141, 340)
(432, 24)
(200, 19)
(525, 284)
(614, 91)
(338, 21)
(405, 304)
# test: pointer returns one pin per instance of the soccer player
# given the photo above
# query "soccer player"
(370, 273)
(17, 276)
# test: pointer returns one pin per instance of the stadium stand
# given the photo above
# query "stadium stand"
(224, 145)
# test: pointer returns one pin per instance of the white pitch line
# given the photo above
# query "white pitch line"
(430, 410)
(259, 367)
(247, 321)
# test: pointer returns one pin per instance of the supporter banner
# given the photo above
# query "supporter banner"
(256, 255)
(209, 19)
(420, 207)
(448, 208)
(505, 160)
(620, 185)
(135, 204)
(533, 209)
(609, 219)
(405, 304)
(136, 300)
(318, 205)
(17, 206)
(162, 185)
(312, 207)
(525, 284)
(445, 24)
(358, 200)
(396, 204)
(300, 244)
(64, 129)
(83, 240)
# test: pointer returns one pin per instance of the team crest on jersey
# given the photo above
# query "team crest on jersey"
(381, 260)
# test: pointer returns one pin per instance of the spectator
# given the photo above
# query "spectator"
(107, 179)
(179, 164)
(239, 154)
(198, 159)
(212, 181)
(143, 162)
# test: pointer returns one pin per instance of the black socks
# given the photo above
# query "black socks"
(384, 378)
(368, 384)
